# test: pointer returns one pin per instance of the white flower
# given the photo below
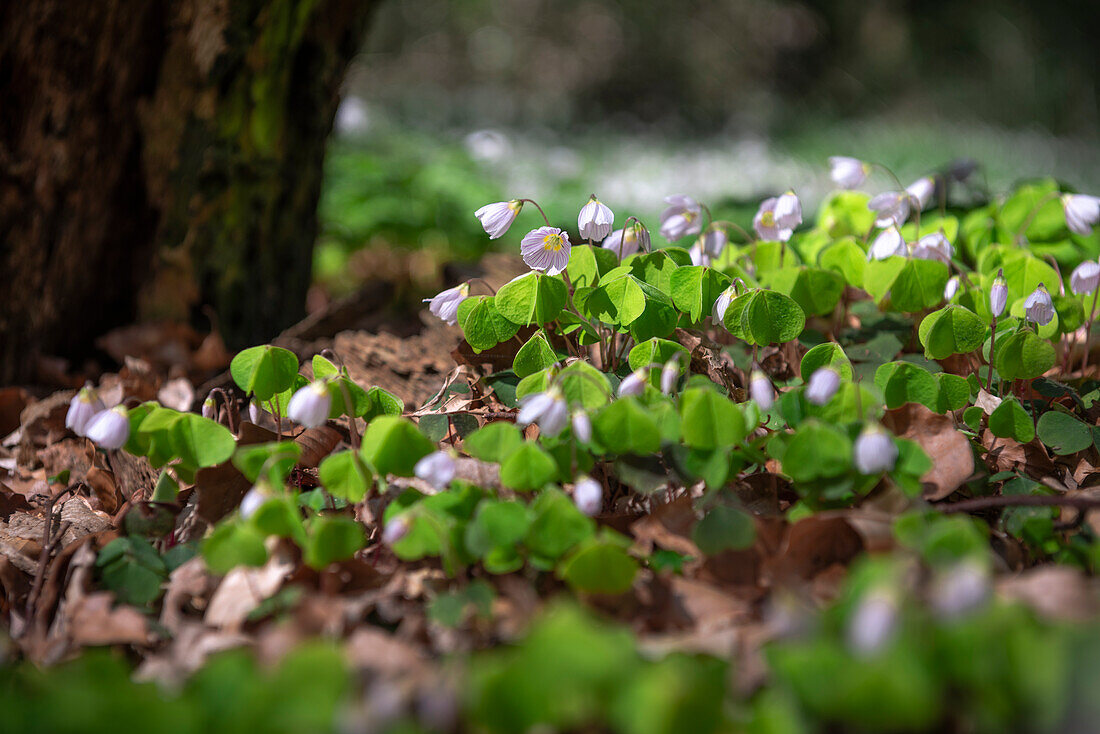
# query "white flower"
(933, 246)
(890, 208)
(548, 409)
(760, 390)
(628, 240)
(311, 405)
(683, 217)
(84, 406)
(1039, 307)
(714, 241)
(254, 499)
(1082, 212)
(395, 530)
(437, 469)
(497, 218)
(875, 452)
(888, 243)
(698, 255)
(669, 373)
(109, 428)
(951, 288)
(588, 496)
(961, 589)
(634, 383)
(848, 173)
(873, 623)
(445, 304)
(823, 384)
(209, 408)
(767, 225)
(920, 192)
(1085, 277)
(998, 294)
(718, 312)
(594, 221)
(255, 412)
(788, 211)
(582, 427)
(546, 248)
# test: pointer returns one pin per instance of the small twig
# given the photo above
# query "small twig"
(987, 503)
(48, 545)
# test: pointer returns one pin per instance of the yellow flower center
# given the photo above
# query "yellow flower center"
(552, 242)
(768, 219)
(689, 216)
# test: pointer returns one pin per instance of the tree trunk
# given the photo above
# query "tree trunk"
(160, 157)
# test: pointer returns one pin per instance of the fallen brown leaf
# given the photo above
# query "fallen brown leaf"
(952, 459)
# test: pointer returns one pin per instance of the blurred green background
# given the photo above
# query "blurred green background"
(455, 104)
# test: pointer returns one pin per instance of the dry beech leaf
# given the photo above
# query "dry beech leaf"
(317, 443)
(1058, 592)
(1007, 454)
(812, 545)
(668, 526)
(97, 621)
(178, 394)
(243, 589)
(952, 459)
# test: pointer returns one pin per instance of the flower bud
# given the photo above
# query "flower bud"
(1039, 307)
(920, 192)
(582, 427)
(594, 220)
(1082, 212)
(634, 383)
(823, 384)
(891, 208)
(960, 590)
(254, 499)
(110, 429)
(934, 246)
(548, 409)
(311, 405)
(998, 294)
(395, 530)
(445, 304)
(718, 313)
(1085, 278)
(875, 451)
(951, 288)
(874, 623)
(669, 374)
(84, 406)
(255, 412)
(888, 243)
(848, 173)
(714, 241)
(588, 496)
(209, 408)
(760, 390)
(497, 218)
(437, 469)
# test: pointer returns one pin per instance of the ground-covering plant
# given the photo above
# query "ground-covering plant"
(897, 353)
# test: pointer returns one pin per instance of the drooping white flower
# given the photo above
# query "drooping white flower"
(588, 496)
(253, 499)
(875, 451)
(848, 173)
(1039, 307)
(595, 220)
(873, 624)
(395, 530)
(788, 211)
(890, 208)
(961, 589)
(109, 429)
(497, 218)
(84, 406)
(998, 294)
(761, 391)
(634, 383)
(1085, 278)
(546, 248)
(209, 408)
(582, 426)
(310, 405)
(718, 312)
(1082, 212)
(920, 192)
(823, 384)
(547, 409)
(888, 243)
(681, 218)
(767, 225)
(669, 373)
(933, 246)
(628, 240)
(437, 469)
(255, 412)
(951, 288)
(699, 256)
(445, 304)
(714, 241)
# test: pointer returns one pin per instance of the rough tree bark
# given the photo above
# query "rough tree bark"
(161, 156)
